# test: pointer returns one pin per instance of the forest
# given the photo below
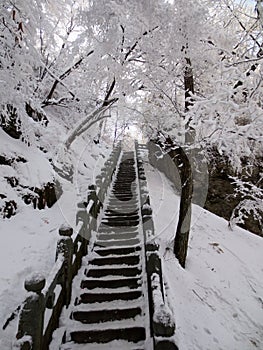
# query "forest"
(184, 78)
(188, 71)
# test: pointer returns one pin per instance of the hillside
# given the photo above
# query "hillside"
(217, 300)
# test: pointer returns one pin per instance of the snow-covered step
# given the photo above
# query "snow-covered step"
(108, 295)
(116, 260)
(116, 289)
(122, 209)
(111, 283)
(118, 242)
(132, 334)
(118, 236)
(110, 314)
(114, 345)
(120, 214)
(120, 222)
(110, 309)
(108, 229)
(125, 201)
(74, 325)
(116, 271)
(106, 251)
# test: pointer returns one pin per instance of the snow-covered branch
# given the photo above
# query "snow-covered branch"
(88, 121)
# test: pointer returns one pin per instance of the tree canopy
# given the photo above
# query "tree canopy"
(80, 58)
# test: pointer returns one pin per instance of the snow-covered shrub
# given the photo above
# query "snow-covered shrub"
(250, 204)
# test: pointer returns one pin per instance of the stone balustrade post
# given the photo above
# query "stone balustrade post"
(65, 247)
(92, 195)
(31, 318)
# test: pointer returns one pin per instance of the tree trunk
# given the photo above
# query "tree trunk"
(183, 165)
(188, 84)
(188, 92)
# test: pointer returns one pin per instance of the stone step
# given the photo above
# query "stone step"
(122, 271)
(126, 177)
(108, 305)
(115, 344)
(117, 223)
(108, 315)
(118, 236)
(126, 169)
(88, 298)
(108, 230)
(127, 260)
(116, 213)
(116, 251)
(127, 185)
(131, 283)
(131, 334)
(122, 217)
(119, 242)
(122, 208)
(124, 186)
(123, 192)
(128, 197)
(129, 201)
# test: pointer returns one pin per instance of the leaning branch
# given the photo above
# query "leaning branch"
(109, 92)
(65, 74)
(88, 122)
(59, 81)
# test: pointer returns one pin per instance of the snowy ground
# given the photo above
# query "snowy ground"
(217, 299)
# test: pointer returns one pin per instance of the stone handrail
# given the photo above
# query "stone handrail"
(161, 318)
(36, 324)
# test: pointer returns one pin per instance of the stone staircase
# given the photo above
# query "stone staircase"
(109, 307)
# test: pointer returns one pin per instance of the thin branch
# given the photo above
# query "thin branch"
(133, 47)
(166, 95)
(246, 61)
(256, 88)
(242, 26)
(123, 38)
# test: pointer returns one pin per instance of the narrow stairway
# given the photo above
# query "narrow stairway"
(110, 303)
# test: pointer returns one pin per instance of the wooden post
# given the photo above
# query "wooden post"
(31, 319)
(65, 247)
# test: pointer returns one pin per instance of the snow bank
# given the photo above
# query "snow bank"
(218, 298)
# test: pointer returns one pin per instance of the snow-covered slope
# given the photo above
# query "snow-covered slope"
(28, 239)
(218, 298)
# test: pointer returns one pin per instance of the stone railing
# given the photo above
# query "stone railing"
(40, 312)
(161, 318)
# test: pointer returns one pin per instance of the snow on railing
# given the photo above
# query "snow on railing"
(40, 312)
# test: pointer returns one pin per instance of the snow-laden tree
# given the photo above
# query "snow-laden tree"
(191, 68)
